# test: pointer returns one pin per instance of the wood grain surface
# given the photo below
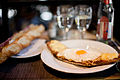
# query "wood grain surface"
(33, 68)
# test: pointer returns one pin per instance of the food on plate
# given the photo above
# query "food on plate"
(20, 41)
(23, 41)
(11, 49)
(79, 55)
(106, 56)
(55, 46)
(3, 57)
(82, 57)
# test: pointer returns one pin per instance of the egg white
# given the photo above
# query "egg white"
(70, 54)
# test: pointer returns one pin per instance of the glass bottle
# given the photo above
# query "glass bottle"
(105, 20)
(52, 31)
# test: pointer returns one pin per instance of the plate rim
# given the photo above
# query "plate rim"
(25, 56)
(109, 65)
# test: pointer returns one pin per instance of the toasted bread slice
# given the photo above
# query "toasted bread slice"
(105, 58)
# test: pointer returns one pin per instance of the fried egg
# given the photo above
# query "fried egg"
(79, 55)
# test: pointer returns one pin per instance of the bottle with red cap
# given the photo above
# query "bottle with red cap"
(105, 20)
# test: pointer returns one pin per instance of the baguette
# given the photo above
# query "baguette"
(3, 57)
(23, 41)
(11, 49)
(20, 41)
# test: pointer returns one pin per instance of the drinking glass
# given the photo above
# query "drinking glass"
(65, 18)
(83, 16)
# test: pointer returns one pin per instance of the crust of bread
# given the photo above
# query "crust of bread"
(89, 63)
(52, 50)
(3, 58)
(23, 41)
(11, 49)
(55, 44)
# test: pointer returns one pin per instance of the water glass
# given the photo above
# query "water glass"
(65, 18)
(83, 16)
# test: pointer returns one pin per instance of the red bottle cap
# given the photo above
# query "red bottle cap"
(106, 2)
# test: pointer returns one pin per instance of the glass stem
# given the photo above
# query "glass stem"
(82, 32)
(64, 34)
(67, 30)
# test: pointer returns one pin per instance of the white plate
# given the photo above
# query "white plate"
(34, 49)
(56, 64)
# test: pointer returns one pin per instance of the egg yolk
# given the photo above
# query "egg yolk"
(80, 52)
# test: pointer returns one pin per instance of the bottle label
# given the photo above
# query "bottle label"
(103, 28)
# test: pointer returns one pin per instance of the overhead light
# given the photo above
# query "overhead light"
(11, 13)
(46, 16)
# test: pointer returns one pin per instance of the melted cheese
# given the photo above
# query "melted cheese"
(108, 56)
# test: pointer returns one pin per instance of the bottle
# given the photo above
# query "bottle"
(105, 20)
(52, 31)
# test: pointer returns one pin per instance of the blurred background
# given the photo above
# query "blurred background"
(18, 14)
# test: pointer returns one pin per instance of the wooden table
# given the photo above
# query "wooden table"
(34, 69)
